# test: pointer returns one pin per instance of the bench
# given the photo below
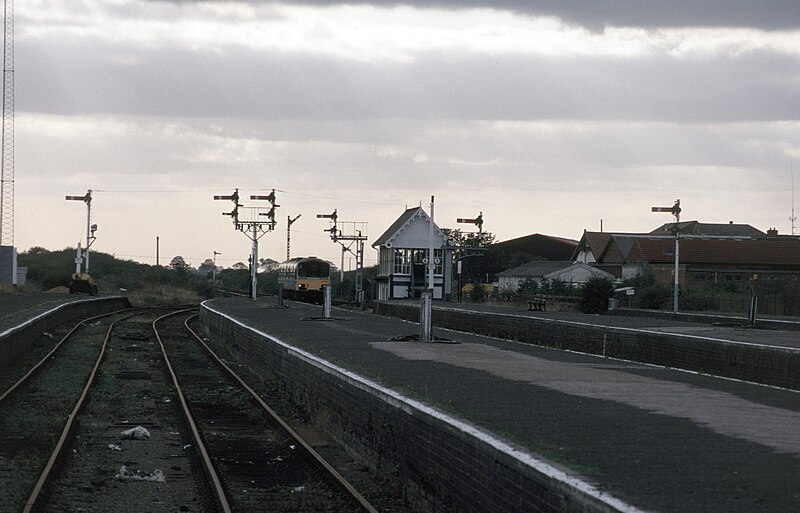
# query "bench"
(537, 304)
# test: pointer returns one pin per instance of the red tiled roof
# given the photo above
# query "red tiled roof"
(722, 251)
(597, 241)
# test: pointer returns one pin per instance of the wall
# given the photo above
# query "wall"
(758, 364)
(15, 341)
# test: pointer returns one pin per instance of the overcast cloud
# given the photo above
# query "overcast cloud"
(598, 14)
(546, 116)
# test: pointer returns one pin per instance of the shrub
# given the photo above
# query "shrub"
(595, 295)
(698, 300)
(654, 297)
(477, 293)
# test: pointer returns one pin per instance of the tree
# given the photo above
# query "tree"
(266, 265)
(238, 266)
(207, 266)
(178, 264)
(461, 239)
(470, 248)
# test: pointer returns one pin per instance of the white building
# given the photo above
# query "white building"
(402, 255)
(574, 274)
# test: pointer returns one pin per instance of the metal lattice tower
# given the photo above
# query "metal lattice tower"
(7, 185)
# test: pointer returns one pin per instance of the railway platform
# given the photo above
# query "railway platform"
(16, 309)
(26, 315)
(587, 433)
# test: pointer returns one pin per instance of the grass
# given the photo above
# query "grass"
(152, 295)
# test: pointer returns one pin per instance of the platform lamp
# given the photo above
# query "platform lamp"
(676, 211)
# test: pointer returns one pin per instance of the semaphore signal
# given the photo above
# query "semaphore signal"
(347, 241)
(253, 229)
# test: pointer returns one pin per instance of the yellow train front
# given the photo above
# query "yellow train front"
(302, 278)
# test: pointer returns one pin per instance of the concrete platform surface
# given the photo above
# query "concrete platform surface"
(656, 439)
(16, 309)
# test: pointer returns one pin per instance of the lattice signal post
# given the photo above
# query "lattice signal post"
(676, 211)
(253, 228)
(7, 166)
(348, 241)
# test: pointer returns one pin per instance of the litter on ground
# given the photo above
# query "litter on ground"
(126, 475)
(137, 433)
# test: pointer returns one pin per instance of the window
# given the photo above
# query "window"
(402, 261)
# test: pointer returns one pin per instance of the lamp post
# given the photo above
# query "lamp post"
(676, 211)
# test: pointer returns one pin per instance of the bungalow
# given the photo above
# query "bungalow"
(574, 274)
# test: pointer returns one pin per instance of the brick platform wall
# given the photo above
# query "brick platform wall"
(16, 341)
(441, 464)
(767, 365)
(708, 318)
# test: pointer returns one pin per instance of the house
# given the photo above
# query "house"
(572, 273)
(402, 258)
(514, 252)
(703, 261)
(712, 257)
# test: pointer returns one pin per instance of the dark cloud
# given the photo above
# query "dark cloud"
(598, 14)
(80, 78)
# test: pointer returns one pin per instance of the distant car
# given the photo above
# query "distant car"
(82, 283)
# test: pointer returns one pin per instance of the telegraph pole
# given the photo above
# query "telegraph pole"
(676, 211)
(347, 241)
(253, 229)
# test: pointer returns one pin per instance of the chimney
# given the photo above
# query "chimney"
(730, 222)
(772, 232)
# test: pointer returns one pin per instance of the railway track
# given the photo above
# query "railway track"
(48, 387)
(256, 460)
(211, 444)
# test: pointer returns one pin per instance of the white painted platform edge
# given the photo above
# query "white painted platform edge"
(48, 312)
(406, 403)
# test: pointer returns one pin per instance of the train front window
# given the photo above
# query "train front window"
(313, 270)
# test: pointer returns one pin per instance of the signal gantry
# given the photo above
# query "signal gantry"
(254, 229)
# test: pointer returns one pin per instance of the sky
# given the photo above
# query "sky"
(547, 117)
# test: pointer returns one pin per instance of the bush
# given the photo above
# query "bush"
(595, 295)
(477, 293)
(697, 300)
(654, 297)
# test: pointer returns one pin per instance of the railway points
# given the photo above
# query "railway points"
(94, 466)
(495, 425)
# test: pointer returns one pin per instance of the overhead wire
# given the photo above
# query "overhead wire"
(283, 191)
